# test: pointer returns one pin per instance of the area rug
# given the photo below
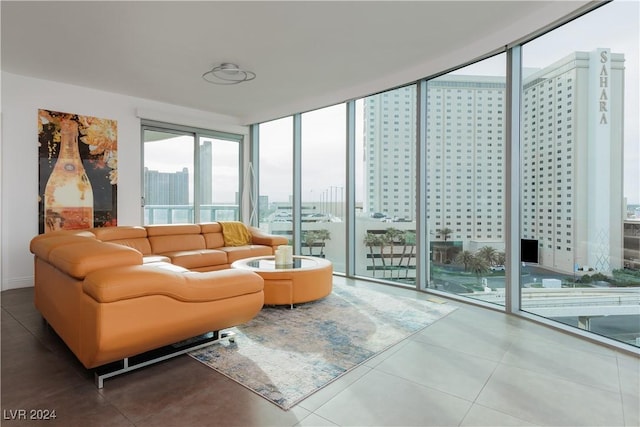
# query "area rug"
(285, 355)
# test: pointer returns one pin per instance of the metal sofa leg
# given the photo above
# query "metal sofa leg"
(138, 361)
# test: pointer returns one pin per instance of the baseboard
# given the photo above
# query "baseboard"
(17, 283)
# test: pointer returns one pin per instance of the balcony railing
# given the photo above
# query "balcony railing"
(182, 214)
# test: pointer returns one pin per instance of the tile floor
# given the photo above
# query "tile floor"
(476, 367)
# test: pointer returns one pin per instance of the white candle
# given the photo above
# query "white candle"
(287, 250)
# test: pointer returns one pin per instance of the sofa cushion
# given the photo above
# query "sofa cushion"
(175, 237)
(120, 232)
(166, 265)
(239, 252)
(148, 259)
(132, 236)
(197, 258)
(212, 232)
(172, 229)
(235, 233)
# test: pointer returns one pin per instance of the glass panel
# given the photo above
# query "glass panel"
(465, 180)
(323, 184)
(385, 220)
(276, 177)
(579, 163)
(219, 181)
(168, 177)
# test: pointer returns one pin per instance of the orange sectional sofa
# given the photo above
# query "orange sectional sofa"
(113, 293)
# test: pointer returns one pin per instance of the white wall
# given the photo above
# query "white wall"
(21, 99)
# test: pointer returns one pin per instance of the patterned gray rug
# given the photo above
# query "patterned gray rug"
(285, 355)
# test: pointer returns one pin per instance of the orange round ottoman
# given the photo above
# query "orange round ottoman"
(308, 279)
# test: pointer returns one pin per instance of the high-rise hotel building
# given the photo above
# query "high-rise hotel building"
(572, 161)
(465, 160)
(390, 135)
(572, 202)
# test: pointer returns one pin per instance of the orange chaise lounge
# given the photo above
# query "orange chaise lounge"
(115, 293)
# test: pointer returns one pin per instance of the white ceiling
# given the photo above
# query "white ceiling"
(306, 54)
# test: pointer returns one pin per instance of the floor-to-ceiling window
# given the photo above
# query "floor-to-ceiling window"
(579, 162)
(386, 195)
(323, 163)
(573, 242)
(465, 180)
(190, 175)
(275, 177)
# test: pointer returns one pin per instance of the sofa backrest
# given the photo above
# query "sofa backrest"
(82, 257)
(175, 237)
(212, 232)
(132, 236)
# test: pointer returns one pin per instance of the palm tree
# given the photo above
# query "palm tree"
(372, 240)
(465, 258)
(408, 239)
(479, 267)
(445, 233)
(309, 239)
(383, 242)
(323, 234)
(488, 254)
(393, 236)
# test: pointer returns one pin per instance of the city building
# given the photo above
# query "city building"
(206, 169)
(166, 188)
(466, 161)
(565, 144)
(562, 145)
(390, 135)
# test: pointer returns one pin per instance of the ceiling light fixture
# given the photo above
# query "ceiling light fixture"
(228, 74)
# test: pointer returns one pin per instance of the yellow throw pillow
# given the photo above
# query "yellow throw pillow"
(235, 233)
